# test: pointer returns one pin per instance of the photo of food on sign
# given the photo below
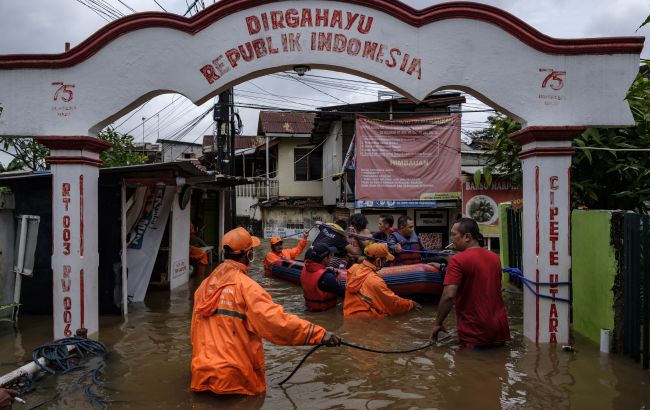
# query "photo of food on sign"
(482, 209)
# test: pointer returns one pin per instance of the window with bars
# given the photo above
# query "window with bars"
(308, 164)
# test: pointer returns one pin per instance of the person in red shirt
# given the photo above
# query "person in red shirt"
(473, 284)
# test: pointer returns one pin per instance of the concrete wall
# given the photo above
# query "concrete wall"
(286, 159)
(593, 272)
(284, 221)
(333, 157)
(171, 152)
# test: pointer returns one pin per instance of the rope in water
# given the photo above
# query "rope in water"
(364, 348)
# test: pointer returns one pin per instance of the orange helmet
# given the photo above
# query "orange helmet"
(276, 240)
(379, 250)
(238, 241)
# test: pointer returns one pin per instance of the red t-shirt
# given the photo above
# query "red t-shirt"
(481, 316)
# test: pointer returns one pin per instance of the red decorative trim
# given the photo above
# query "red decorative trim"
(81, 215)
(81, 296)
(454, 10)
(537, 306)
(569, 202)
(542, 133)
(79, 160)
(83, 143)
(537, 212)
(547, 152)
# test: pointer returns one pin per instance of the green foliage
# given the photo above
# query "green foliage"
(26, 153)
(121, 153)
(600, 179)
(503, 153)
(3, 307)
(605, 179)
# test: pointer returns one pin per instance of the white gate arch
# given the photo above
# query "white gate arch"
(554, 87)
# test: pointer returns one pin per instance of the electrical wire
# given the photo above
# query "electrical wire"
(159, 5)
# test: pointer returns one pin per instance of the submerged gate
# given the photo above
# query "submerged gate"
(636, 287)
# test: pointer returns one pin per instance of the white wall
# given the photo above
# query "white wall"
(172, 152)
(333, 156)
(179, 238)
(278, 220)
(286, 158)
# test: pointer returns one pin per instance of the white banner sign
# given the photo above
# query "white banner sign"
(144, 240)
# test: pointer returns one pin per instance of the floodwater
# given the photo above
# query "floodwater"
(149, 365)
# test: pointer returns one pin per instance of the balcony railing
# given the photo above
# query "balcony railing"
(258, 189)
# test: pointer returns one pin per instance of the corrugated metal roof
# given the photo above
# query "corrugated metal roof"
(286, 122)
(241, 141)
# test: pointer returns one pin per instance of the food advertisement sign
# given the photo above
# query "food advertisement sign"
(482, 202)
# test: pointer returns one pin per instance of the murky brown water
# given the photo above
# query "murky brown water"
(149, 365)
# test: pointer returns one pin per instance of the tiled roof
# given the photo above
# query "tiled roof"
(285, 122)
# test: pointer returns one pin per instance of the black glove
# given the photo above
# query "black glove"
(330, 339)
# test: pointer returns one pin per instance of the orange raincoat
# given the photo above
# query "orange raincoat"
(232, 313)
(273, 257)
(366, 294)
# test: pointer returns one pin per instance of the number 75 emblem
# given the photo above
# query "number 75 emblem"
(64, 91)
(555, 79)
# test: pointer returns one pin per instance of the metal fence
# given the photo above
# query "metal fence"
(258, 189)
(515, 238)
(636, 287)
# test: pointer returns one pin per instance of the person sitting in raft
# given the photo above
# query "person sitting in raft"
(473, 284)
(277, 251)
(384, 227)
(198, 255)
(366, 293)
(333, 235)
(320, 285)
(231, 315)
(408, 252)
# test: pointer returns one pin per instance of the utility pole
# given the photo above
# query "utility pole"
(143, 119)
(226, 144)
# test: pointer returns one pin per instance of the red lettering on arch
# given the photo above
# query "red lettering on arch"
(277, 20)
(253, 25)
(291, 18)
(233, 56)
(209, 73)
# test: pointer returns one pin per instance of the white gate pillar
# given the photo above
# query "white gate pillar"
(74, 162)
(546, 164)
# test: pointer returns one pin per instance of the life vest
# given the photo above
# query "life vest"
(315, 299)
(412, 244)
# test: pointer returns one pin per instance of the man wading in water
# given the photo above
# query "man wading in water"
(473, 284)
(232, 313)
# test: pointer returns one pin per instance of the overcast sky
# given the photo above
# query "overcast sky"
(43, 26)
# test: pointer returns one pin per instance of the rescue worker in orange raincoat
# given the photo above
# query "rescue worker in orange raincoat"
(366, 293)
(197, 254)
(277, 251)
(320, 284)
(232, 313)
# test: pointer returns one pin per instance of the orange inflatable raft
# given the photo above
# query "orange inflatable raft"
(403, 280)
